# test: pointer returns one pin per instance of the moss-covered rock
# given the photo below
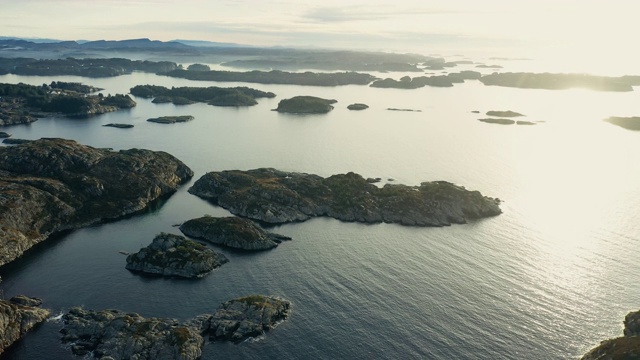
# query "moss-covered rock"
(233, 232)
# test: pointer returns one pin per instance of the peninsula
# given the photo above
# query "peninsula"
(51, 185)
(276, 197)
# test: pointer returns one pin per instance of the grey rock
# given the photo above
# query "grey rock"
(173, 255)
(120, 335)
(26, 301)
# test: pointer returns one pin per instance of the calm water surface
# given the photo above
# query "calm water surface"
(548, 279)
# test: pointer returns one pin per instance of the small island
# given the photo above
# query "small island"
(507, 113)
(250, 316)
(4, 135)
(213, 95)
(171, 119)
(305, 105)
(629, 123)
(119, 126)
(175, 256)
(358, 106)
(276, 197)
(498, 121)
(233, 232)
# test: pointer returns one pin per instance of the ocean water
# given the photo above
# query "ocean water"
(548, 279)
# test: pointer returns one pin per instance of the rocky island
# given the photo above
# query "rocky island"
(276, 77)
(213, 95)
(629, 123)
(21, 103)
(626, 347)
(119, 125)
(121, 336)
(305, 105)
(51, 185)
(174, 256)
(552, 81)
(500, 113)
(358, 106)
(171, 119)
(233, 232)
(242, 318)
(18, 316)
(276, 197)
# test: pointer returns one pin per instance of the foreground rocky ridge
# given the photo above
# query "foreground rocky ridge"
(173, 255)
(274, 196)
(622, 348)
(129, 336)
(50, 185)
(233, 232)
(121, 335)
(17, 317)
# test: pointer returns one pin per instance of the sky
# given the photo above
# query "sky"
(425, 26)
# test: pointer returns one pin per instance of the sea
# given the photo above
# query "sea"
(549, 278)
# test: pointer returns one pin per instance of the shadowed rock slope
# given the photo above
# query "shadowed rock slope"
(50, 185)
(274, 196)
(622, 348)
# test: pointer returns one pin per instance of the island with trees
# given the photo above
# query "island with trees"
(213, 95)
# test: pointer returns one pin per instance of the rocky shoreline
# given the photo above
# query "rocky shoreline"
(51, 185)
(276, 197)
(120, 335)
(18, 316)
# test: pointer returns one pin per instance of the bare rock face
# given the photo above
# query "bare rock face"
(274, 196)
(50, 185)
(173, 255)
(622, 348)
(233, 232)
(247, 317)
(17, 317)
(119, 335)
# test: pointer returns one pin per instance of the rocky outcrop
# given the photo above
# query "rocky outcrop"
(358, 106)
(498, 121)
(171, 119)
(305, 105)
(119, 335)
(622, 348)
(242, 318)
(119, 126)
(4, 135)
(17, 317)
(629, 123)
(274, 196)
(50, 185)
(507, 113)
(173, 255)
(233, 232)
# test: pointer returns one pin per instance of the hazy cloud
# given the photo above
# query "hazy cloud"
(360, 13)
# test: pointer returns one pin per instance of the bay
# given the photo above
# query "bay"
(548, 279)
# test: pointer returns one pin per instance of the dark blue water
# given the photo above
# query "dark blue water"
(548, 279)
